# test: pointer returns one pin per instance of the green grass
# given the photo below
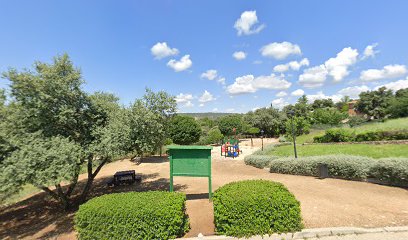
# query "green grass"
(392, 124)
(369, 150)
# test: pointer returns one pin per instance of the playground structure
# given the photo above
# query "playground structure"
(230, 148)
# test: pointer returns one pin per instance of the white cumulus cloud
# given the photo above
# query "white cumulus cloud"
(388, 71)
(354, 91)
(279, 103)
(206, 97)
(298, 93)
(250, 84)
(240, 55)
(248, 24)
(294, 65)
(209, 74)
(178, 66)
(396, 85)
(370, 51)
(184, 97)
(336, 67)
(320, 95)
(161, 50)
(280, 50)
(313, 77)
(243, 84)
(281, 94)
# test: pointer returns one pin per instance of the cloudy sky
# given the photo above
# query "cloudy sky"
(225, 56)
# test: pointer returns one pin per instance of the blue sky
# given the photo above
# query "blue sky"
(317, 48)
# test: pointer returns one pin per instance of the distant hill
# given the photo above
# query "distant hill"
(211, 115)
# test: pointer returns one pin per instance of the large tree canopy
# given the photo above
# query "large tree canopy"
(51, 128)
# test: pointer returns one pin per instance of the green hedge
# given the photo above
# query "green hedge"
(348, 135)
(133, 215)
(255, 207)
(392, 171)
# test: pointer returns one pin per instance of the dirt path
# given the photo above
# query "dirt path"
(324, 203)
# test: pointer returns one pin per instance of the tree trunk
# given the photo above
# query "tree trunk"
(91, 177)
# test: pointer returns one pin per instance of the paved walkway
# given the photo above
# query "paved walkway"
(340, 233)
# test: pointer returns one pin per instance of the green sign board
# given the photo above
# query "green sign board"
(190, 161)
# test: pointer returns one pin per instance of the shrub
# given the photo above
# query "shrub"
(184, 130)
(300, 124)
(356, 121)
(340, 166)
(133, 215)
(381, 135)
(330, 116)
(336, 135)
(259, 161)
(255, 207)
(393, 171)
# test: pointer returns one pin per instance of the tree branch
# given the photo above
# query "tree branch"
(51, 193)
(99, 167)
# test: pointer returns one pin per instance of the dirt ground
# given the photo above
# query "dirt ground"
(324, 203)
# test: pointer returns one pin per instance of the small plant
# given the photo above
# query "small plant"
(255, 207)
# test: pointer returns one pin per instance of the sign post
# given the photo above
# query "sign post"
(190, 161)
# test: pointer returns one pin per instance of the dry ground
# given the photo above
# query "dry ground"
(325, 203)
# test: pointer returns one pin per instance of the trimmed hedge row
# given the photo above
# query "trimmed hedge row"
(348, 135)
(255, 207)
(392, 171)
(133, 215)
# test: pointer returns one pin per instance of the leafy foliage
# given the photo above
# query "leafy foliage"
(300, 126)
(67, 128)
(356, 121)
(133, 215)
(330, 116)
(255, 207)
(184, 130)
(375, 103)
(215, 135)
(399, 104)
(270, 120)
(347, 135)
(226, 124)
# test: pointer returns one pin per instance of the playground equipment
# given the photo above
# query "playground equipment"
(230, 148)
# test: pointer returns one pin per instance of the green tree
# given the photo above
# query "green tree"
(300, 126)
(253, 131)
(184, 130)
(375, 103)
(270, 120)
(227, 123)
(399, 104)
(53, 128)
(323, 103)
(214, 135)
(330, 116)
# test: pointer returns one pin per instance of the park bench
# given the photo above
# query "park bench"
(124, 177)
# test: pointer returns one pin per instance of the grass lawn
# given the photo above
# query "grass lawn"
(370, 150)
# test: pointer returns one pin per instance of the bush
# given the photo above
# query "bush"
(340, 166)
(381, 135)
(356, 121)
(133, 215)
(255, 207)
(393, 171)
(346, 135)
(336, 135)
(184, 130)
(300, 125)
(259, 161)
